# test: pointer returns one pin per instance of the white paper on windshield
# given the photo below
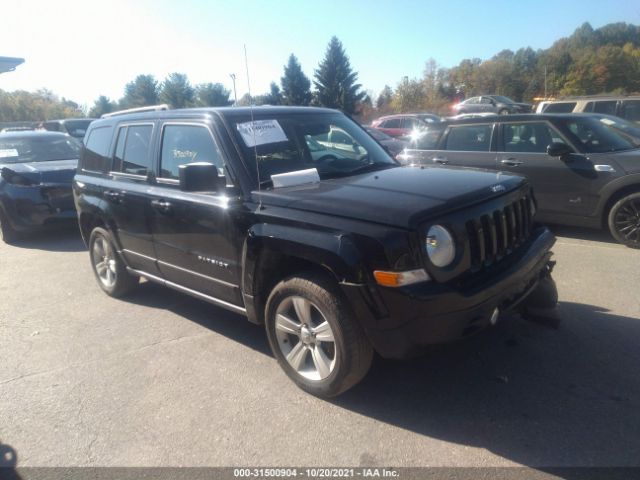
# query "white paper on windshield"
(607, 121)
(261, 132)
(8, 152)
(300, 177)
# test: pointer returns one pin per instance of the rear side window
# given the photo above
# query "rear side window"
(391, 123)
(132, 150)
(469, 138)
(560, 107)
(182, 144)
(96, 151)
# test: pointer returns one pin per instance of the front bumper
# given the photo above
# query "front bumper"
(401, 322)
(34, 207)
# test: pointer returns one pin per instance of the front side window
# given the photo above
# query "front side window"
(631, 110)
(608, 107)
(604, 134)
(528, 137)
(469, 138)
(182, 144)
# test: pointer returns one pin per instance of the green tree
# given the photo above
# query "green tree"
(384, 99)
(335, 81)
(212, 95)
(101, 106)
(296, 87)
(409, 96)
(274, 97)
(177, 91)
(141, 92)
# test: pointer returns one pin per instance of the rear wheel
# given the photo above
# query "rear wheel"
(624, 220)
(315, 337)
(108, 267)
(504, 111)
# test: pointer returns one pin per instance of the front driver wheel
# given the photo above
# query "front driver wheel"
(504, 111)
(624, 220)
(314, 336)
(108, 267)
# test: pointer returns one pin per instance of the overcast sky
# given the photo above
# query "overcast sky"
(83, 49)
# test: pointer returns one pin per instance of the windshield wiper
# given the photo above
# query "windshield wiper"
(369, 167)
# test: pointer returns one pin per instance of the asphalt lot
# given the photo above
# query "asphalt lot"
(162, 379)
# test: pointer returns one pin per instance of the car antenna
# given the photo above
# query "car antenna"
(253, 127)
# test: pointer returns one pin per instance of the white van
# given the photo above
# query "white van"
(624, 107)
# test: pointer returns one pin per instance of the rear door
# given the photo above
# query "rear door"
(126, 194)
(467, 146)
(195, 233)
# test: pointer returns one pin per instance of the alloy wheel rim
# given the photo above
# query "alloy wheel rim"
(627, 221)
(104, 261)
(305, 338)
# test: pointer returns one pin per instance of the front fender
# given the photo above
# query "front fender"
(611, 188)
(333, 251)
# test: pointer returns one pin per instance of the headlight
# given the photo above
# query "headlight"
(440, 247)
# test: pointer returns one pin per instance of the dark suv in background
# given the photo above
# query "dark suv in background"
(585, 169)
(338, 255)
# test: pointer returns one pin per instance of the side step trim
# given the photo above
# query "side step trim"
(188, 291)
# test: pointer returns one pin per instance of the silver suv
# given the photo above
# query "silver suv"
(624, 107)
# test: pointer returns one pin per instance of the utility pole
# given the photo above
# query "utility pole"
(545, 82)
(235, 96)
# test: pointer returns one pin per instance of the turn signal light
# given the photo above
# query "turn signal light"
(399, 279)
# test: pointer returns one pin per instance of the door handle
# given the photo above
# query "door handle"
(161, 205)
(440, 160)
(512, 162)
(115, 197)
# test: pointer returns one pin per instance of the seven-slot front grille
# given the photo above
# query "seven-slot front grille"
(496, 234)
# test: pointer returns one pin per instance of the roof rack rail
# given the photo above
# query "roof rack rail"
(151, 108)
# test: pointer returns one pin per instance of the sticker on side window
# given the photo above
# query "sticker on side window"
(261, 132)
(8, 152)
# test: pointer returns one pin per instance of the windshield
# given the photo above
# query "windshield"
(600, 134)
(502, 99)
(330, 143)
(37, 148)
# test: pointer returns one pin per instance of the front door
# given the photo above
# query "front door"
(195, 235)
(565, 186)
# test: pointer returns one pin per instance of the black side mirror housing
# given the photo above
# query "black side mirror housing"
(558, 149)
(201, 177)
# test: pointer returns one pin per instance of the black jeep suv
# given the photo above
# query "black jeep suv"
(338, 251)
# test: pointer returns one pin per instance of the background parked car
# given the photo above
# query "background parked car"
(493, 104)
(36, 171)
(76, 127)
(393, 145)
(623, 107)
(403, 124)
(585, 169)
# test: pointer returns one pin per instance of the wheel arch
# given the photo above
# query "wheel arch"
(273, 252)
(615, 191)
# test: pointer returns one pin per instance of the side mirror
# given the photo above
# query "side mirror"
(201, 177)
(558, 149)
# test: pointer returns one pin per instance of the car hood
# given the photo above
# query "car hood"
(56, 171)
(401, 196)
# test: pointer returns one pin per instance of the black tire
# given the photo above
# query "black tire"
(351, 350)
(504, 111)
(122, 281)
(7, 233)
(624, 220)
